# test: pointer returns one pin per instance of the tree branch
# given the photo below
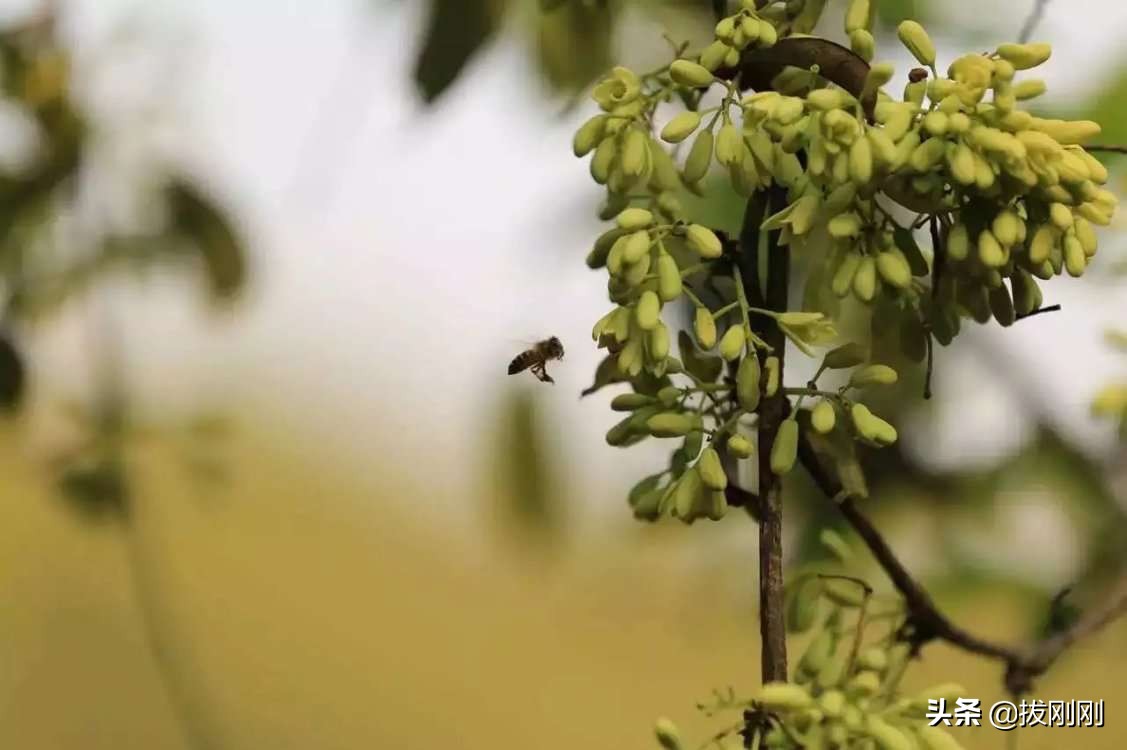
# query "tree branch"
(1109, 148)
(772, 411)
(926, 622)
(1031, 22)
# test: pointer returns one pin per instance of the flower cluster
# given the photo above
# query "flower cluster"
(1008, 199)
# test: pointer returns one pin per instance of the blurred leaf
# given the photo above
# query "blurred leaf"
(1106, 107)
(525, 466)
(563, 31)
(12, 375)
(891, 12)
(203, 224)
(906, 243)
(456, 31)
(95, 486)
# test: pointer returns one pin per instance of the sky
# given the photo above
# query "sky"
(403, 255)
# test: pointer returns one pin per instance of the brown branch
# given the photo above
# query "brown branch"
(772, 412)
(926, 622)
(1107, 148)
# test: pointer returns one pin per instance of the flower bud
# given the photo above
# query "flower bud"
(700, 156)
(1025, 56)
(730, 146)
(823, 417)
(1030, 89)
(659, 343)
(1075, 260)
(647, 312)
(843, 277)
(825, 99)
(1006, 228)
(783, 696)
(960, 160)
(731, 344)
(887, 736)
(871, 427)
(1067, 132)
(865, 279)
(771, 369)
(861, 41)
(1061, 216)
(634, 154)
(740, 447)
(711, 471)
(894, 269)
(861, 162)
(935, 738)
(635, 246)
(690, 74)
(990, 251)
(873, 375)
(603, 160)
(747, 382)
(913, 36)
(669, 424)
(630, 401)
(589, 135)
(785, 450)
(857, 15)
(680, 127)
(633, 219)
(668, 278)
(1044, 239)
(703, 241)
(666, 732)
(712, 58)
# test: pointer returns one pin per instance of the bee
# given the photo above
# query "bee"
(537, 359)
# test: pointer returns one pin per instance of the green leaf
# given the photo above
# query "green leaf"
(208, 229)
(907, 244)
(525, 465)
(457, 30)
(562, 30)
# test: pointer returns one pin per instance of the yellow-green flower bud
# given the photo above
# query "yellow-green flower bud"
(785, 450)
(863, 684)
(1007, 228)
(690, 74)
(1075, 260)
(823, 417)
(842, 279)
(857, 15)
(843, 593)
(873, 658)
(832, 703)
(865, 279)
(635, 246)
(1030, 89)
(668, 278)
(861, 41)
(634, 154)
(747, 382)
(887, 736)
(630, 401)
(680, 127)
(589, 135)
(1087, 236)
(700, 156)
(1067, 132)
(1001, 305)
(844, 356)
(935, 738)
(670, 395)
(844, 225)
(659, 343)
(825, 99)
(935, 122)
(958, 242)
(871, 427)
(960, 160)
(990, 251)
(669, 424)
(740, 447)
(1061, 216)
(603, 160)
(1026, 293)
(771, 369)
(703, 241)
(818, 653)
(958, 122)
(1025, 56)
(927, 154)
(633, 219)
(687, 495)
(730, 146)
(894, 269)
(1044, 239)
(732, 343)
(913, 36)
(768, 34)
(704, 328)
(647, 313)
(711, 471)
(1095, 167)
(861, 162)
(712, 58)
(667, 736)
(783, 696)
(873, 375)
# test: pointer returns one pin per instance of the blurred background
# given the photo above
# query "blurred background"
(265, 484)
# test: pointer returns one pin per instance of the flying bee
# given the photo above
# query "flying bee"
(537, 359)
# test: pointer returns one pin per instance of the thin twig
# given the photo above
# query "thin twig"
(926, 622)
(1038, 311)
(1107, 148)
(1031, 22)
